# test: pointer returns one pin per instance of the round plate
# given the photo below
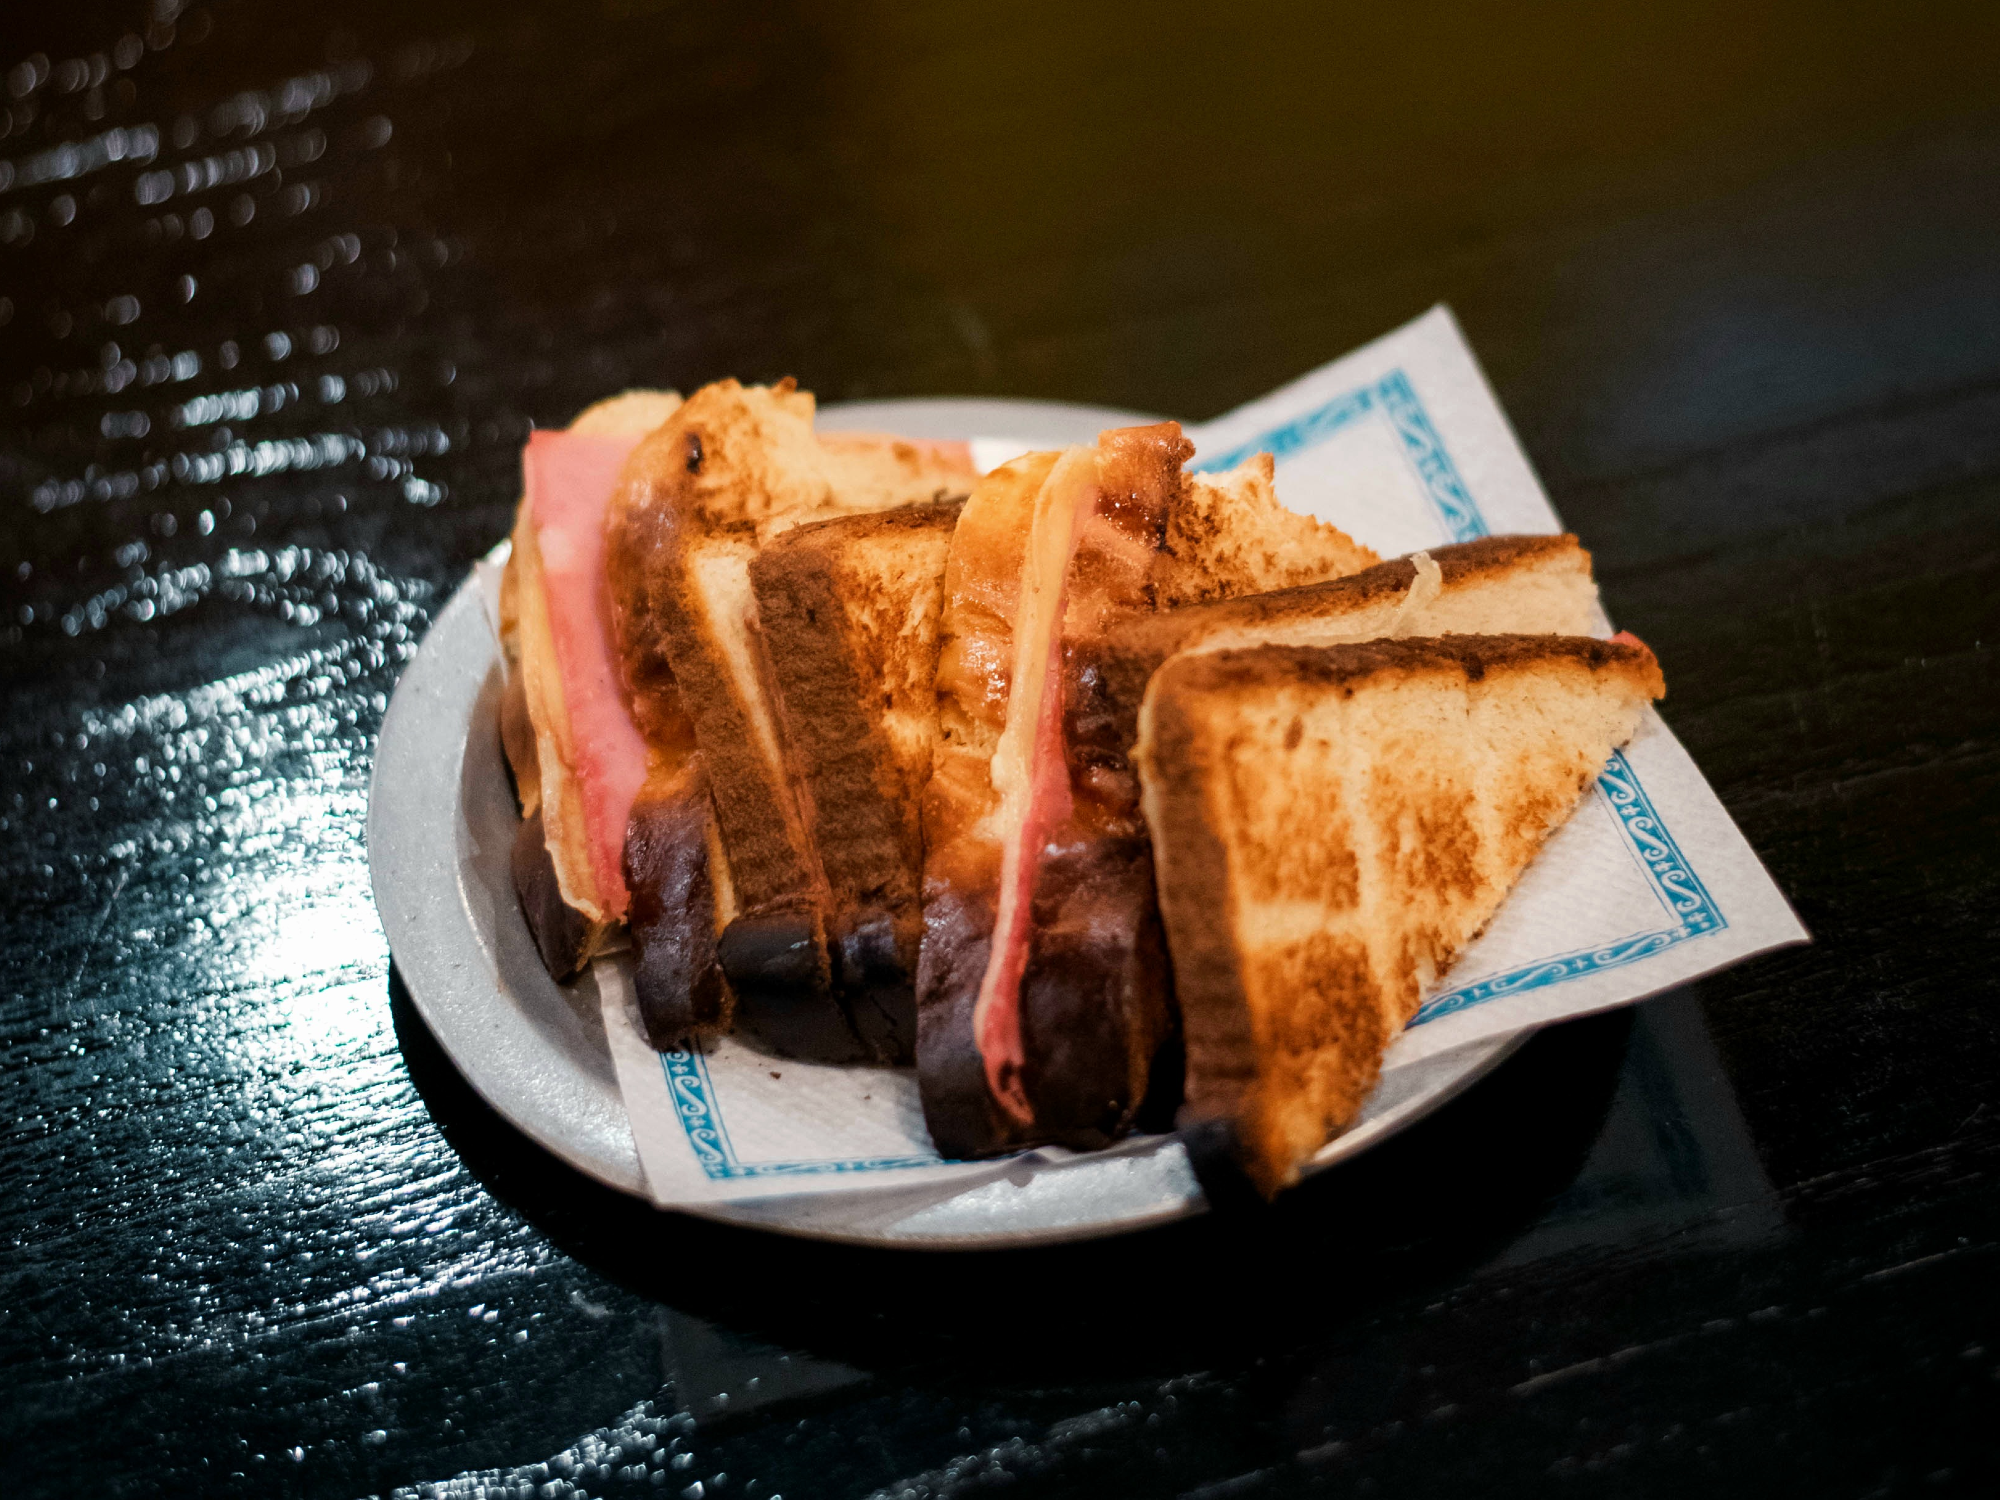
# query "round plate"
(441, 817)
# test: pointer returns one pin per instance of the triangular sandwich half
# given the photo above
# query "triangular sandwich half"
(849, 610)
(1041, 986)
(734, 467)
(1331, 825)
(616, 826)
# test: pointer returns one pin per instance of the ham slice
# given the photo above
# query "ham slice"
(1040, 1004)
(1029, 771)
(570, 477)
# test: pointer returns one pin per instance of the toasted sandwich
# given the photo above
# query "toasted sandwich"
(616, 828)
(850, 612)
(1041, 987)
(732, 469)
(1330, 826)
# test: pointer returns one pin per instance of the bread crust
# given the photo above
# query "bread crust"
(1198, 909)
(1135, 649)
(564, 937)
(1348, 667)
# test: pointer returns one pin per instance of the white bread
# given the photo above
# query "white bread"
(1330, 827)
(849, 610)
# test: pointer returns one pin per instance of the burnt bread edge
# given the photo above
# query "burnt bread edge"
(960, 1113)
(1354, 662)
(669, 867)
(564, 936)
(1096, 994)
(779, 966)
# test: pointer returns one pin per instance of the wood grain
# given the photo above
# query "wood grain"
(1735, 273)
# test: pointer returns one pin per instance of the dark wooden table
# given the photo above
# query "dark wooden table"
(282, 289)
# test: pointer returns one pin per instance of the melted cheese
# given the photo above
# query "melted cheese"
(1030, 774)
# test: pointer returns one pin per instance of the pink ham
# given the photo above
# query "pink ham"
(997, 1012)
(1039, 1008)
(569, 478)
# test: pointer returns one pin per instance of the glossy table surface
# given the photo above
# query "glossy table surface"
(283, 288)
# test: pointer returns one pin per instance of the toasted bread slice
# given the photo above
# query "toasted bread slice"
(1331, 825)
(733, 468)
(849, 610)
(1042, 993)
(539, 734)
(1525, 585)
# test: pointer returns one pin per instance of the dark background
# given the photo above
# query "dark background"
(264, 373)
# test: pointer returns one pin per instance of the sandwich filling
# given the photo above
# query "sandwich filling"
(1038, 1006)
(1030, 771)
(570, 477)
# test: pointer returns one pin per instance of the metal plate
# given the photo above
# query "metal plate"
(441, 817)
